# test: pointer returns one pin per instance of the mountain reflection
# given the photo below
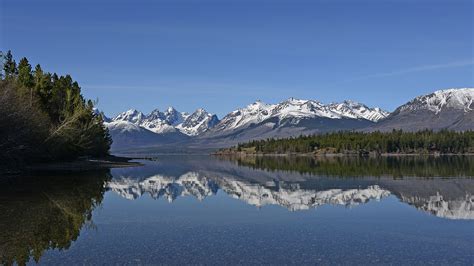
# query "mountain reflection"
(304, 183)
(45, 212)
(289, 195)
(48, 212)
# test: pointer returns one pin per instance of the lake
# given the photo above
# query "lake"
(244, 210)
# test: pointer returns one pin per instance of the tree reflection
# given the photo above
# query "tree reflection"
(396, 167)
(46, 212)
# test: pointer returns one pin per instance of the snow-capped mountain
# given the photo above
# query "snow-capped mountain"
(444, 109)
(289, 118)
(101, 114)
(292, 109)
(127, 134)
(170, 121)
(197, 123)
(436, 102)
(132, 116)
(358, 110)
(253, 113)
(295, 110)
(258, 120)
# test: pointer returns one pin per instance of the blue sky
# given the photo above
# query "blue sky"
(225, 54)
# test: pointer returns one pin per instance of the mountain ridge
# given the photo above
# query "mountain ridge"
(451, 109)
(442, 109)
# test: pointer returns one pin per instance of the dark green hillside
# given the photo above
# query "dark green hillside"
(395, 142)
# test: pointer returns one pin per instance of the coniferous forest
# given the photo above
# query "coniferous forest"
(44, 117)
(394, 142)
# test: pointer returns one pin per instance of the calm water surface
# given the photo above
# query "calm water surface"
(205, 210)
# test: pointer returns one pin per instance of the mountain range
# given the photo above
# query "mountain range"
(444, 109)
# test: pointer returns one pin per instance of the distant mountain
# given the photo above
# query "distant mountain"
(127, 135)
(197, 123)
(445, 109)
(292, 117)
(170, 121)
(293, 111)
(451, 109)
(100, 113)
(133, 128)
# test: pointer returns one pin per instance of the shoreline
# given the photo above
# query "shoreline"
(339, 154)
(81, 164)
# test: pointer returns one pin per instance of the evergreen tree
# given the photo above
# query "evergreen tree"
(25, 77)
(43, 86)
(9, 66)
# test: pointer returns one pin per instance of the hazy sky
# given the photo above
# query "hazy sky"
(222, 55)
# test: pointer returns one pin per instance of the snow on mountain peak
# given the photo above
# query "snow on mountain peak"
(461, 99)
(295, 110)
(252, 113)
(292, 100)
(353, 109)
(98, 112)
(170, 110)
(173, 117)
(198, 122)
(257, 105)
(132, 115)
(310, 108)
(169, 121)
(291, 110)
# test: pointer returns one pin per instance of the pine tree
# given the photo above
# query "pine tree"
(43, 86)
(9, 66)
(25, 77)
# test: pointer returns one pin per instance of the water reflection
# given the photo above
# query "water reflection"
(347, 166)
(289, 195)
(261, 181)
(45, 212)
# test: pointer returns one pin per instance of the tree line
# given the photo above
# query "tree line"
(43, 116)
(396, 141)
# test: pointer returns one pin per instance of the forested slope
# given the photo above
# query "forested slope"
(44, 117)
(396, 141)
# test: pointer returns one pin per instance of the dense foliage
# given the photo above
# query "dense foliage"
(397, 141)
(43, 116)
